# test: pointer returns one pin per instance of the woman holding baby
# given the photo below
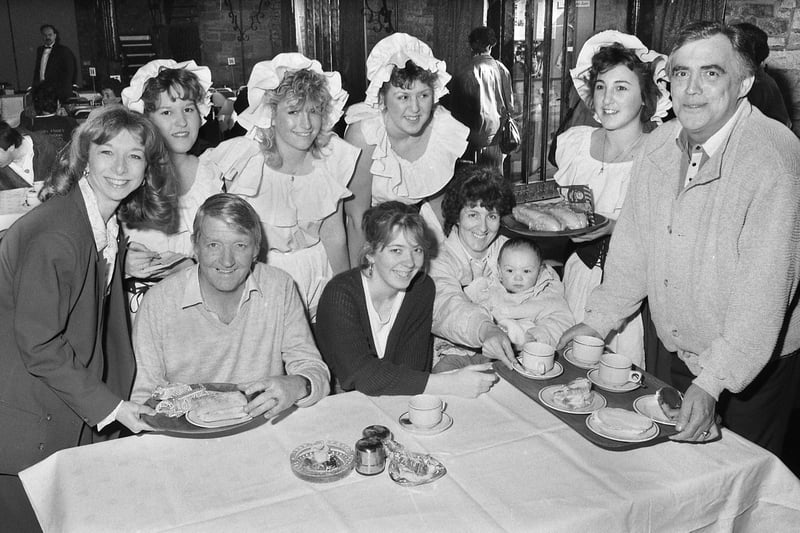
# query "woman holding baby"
(467, 273)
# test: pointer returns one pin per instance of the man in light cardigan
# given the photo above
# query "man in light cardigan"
(710, 235)
(229, 319)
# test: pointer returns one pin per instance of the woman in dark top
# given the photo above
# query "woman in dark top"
(374, 322)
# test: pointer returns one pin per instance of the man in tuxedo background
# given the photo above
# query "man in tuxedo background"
(55, 63)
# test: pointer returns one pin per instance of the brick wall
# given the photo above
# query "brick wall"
(781, 20)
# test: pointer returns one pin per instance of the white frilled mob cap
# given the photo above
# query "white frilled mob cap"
(580, 74)
(267, 75)
(132, 95)
(394, 51)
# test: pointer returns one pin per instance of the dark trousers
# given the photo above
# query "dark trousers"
(16, 513)
(760, 413)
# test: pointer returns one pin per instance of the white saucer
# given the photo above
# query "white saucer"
(580, 363)
(648, 406)
(444, 425)
(546, 397)
(594, 377)
(554, 372)
(593, 426)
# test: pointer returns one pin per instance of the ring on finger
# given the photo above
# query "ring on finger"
(705, 434)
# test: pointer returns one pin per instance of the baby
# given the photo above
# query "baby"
(528, 298)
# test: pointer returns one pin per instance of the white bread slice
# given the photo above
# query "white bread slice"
(622, 421)
(219, 406)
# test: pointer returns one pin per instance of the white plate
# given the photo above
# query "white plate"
(554, 372)
(217, 423)
(580, 363)
(594, 377)
(593, 426)
(648, 406)
(546, 397)
(405, 423)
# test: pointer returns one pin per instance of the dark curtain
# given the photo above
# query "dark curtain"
(677, 13)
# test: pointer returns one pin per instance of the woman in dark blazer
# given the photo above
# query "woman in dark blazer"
(374, 322)
(66, 363)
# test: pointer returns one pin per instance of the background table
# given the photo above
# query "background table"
(512, 466)
(12, 206)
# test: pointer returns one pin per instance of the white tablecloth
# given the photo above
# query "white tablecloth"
(512, 466)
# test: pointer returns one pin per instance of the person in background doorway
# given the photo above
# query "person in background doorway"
(481, 95)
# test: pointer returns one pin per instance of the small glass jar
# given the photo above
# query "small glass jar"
(370, 456)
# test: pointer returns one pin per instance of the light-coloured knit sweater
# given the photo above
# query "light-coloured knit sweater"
(177, 339)
(719, 261)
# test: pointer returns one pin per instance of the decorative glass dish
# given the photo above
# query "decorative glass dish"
(322, 461)
(412, 468)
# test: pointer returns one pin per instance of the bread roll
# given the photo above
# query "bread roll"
(219, 406)
(536, 219)
(568, 218)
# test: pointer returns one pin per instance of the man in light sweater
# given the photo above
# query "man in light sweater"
(229, 319)
(709, 233)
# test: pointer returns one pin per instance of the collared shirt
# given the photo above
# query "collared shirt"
(380, 328)
(192, 295)
(105, 234)
(105, 240)
(698, 154)
(45, 57)
(24, 167)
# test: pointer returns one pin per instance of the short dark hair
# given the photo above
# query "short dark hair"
(482, 38)
(697, 31)
(45, 98)
(45, 26)
(234, 211)
(405, 77)
(383, 221)
(518, 243)
(176, 83)
(9, 136)
(476, 185)
(614, 55)
(759, 41)
(113, 84)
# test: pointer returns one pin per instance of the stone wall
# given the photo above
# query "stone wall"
(781, 20)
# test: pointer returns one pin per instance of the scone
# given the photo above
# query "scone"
(576, 394)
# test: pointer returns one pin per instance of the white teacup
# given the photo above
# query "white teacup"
(538, 357)
(615, 369)
(425, 410)
(587, 348)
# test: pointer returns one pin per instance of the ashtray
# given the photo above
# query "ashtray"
(322, 461)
